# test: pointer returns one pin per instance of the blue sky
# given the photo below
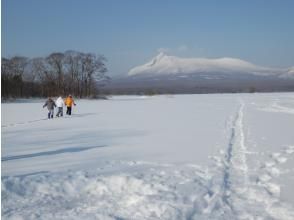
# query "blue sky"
(131, 32)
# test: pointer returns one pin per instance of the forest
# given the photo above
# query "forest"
(72, 72)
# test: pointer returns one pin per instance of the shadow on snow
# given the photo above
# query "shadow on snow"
(49, 153)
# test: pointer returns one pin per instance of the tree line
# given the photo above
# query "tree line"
(71, 72)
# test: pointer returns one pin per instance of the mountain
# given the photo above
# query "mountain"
(171, 74)
(289, 73)
(163, 64)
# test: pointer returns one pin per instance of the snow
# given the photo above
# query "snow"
(289, 73)
(217, 156)
(291, 70)
(164, 64)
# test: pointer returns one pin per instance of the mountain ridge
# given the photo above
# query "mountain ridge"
(163, 64)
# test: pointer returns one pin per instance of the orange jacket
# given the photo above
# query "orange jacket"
(69, 101)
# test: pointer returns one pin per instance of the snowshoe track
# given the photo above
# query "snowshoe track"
(235, 196)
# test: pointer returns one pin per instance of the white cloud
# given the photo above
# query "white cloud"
(163, 50)
(183, 48)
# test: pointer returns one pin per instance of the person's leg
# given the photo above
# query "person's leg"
(49, 113)
(61, 111)
(69, 110)
(52, 113)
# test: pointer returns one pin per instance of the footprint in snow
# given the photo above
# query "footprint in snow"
(268, 164)
(274, 172)
(289, 150)
(275, 155)
(264, 178)
(278, 158)
(281, 159)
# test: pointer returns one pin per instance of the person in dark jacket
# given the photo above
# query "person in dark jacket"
(50, 106)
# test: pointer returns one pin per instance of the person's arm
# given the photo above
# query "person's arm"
(46, 103)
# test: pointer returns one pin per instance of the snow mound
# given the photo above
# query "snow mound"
(158, 192)
(81, 194)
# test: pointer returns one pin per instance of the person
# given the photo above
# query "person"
(59, 103)
(69, 102)
(50, 106)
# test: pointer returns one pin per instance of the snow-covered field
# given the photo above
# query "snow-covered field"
(221, 156)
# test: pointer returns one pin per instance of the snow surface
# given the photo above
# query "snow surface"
(220, 156)
(165, 64)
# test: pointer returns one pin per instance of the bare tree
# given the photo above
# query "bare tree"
(17, 66)
(93, 70)
(59, 73)
(73, 72)
(5, 77)
(42, 75)
(56, 61)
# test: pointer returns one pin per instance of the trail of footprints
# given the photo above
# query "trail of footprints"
(270, 169)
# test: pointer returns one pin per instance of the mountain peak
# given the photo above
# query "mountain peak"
(161, 55)
(156, 59)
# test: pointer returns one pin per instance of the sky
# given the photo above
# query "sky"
(130, 32)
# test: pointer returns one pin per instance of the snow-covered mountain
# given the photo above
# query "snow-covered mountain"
(171, 74)
(291, 70)
(289, 73)
(163, 64)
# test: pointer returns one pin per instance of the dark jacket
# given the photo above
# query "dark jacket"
(50, 104)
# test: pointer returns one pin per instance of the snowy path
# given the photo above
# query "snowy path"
(233, 180)
(238, 197)
(229, 165)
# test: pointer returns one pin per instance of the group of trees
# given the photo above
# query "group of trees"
(65, 73)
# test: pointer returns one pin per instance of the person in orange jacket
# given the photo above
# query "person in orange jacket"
(69, 102)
